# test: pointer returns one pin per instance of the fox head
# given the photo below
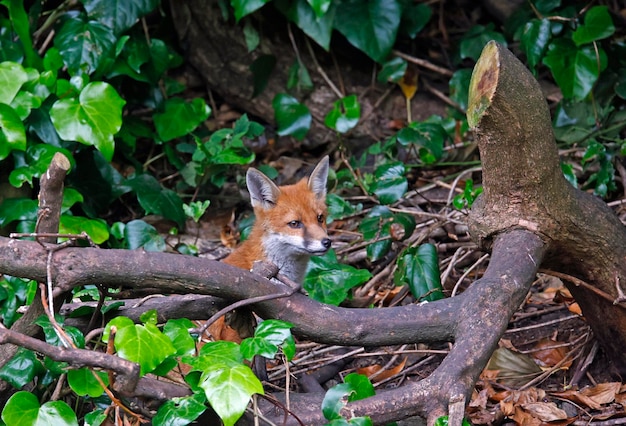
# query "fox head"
(290, 219)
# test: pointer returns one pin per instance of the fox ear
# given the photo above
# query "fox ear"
(318, 179)
(263, 192)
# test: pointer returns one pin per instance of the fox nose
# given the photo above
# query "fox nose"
(326, 242)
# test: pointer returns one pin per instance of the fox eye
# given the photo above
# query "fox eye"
(295, 224)
(320, 218)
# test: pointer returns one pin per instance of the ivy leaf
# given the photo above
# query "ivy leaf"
(96, 228)
(155, 199)
(119, 15)
(345, 114)
(390, 184)
(320, 7)
(92, 119)
(143, 344)
(23, 409)
(292, 117)
(12, 77)
(246, 7)
(393, 70)
(83, 382)
(180, 117)
(84, 44)
(575, 70)
(305, 15)
(21, 369)
(471, 46)
(335, 399)
(329, 281)
(180, 411)
(597, 26)
(228, 389)
(12, 132)
(370, 26)
(534, 40)
(414, 18)
(268, 336)
(221, 352)
(178, 332)
(419, 269)
(139, 234)
(261, 68)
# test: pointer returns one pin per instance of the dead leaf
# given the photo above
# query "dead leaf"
(548, 353)
(408, 82)
(545, 411)
(575, 309)
(515, 369)
(374, 369)
(603, 393)
(577, 398)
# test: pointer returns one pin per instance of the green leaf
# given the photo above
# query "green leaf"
(21, 369)
(570, 176)
(155, 199)
(370, 26)
(95, 418)
(119, 15)
(335, 399)
(471, 46)
(338, 207)
(428, 137)
(268, 336)
(319, 28)
(292, 117)
(362, 386)
(143, 344)
(139, 234)
(328, 281)
(178, 332)
(84, 44)
(375, 229)
(345, 114)
(534, 40)
(459, 87)
(83, 382)
(320, 7)
(261, 69)
(180, 117)
(97, 229)
(393, 70)
(246, 7)
(92, 119)
(221, 352)
(12, 132)
(180, 411)
(414, 18)
(23, 409)
(52, 336)
(228, 389)
(598, 25)
(20, 23)
(12, 77)
(390, 184)
(418, 268)
(575, 70)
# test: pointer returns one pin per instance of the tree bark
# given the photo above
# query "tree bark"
(525, 188)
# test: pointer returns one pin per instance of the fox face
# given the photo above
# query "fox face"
(290, 222)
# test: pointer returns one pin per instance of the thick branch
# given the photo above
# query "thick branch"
(171, 273)
(127, 372)
(480, 322)
(525, 188)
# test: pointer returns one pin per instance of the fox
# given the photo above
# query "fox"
(290, 224)
(289, 228)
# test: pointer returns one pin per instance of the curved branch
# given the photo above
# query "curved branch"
(480, 323)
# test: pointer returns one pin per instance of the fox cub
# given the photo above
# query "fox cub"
(290, 224)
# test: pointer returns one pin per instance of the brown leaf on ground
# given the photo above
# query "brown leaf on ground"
(369, 371)
(603, 393)
(548, 353)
